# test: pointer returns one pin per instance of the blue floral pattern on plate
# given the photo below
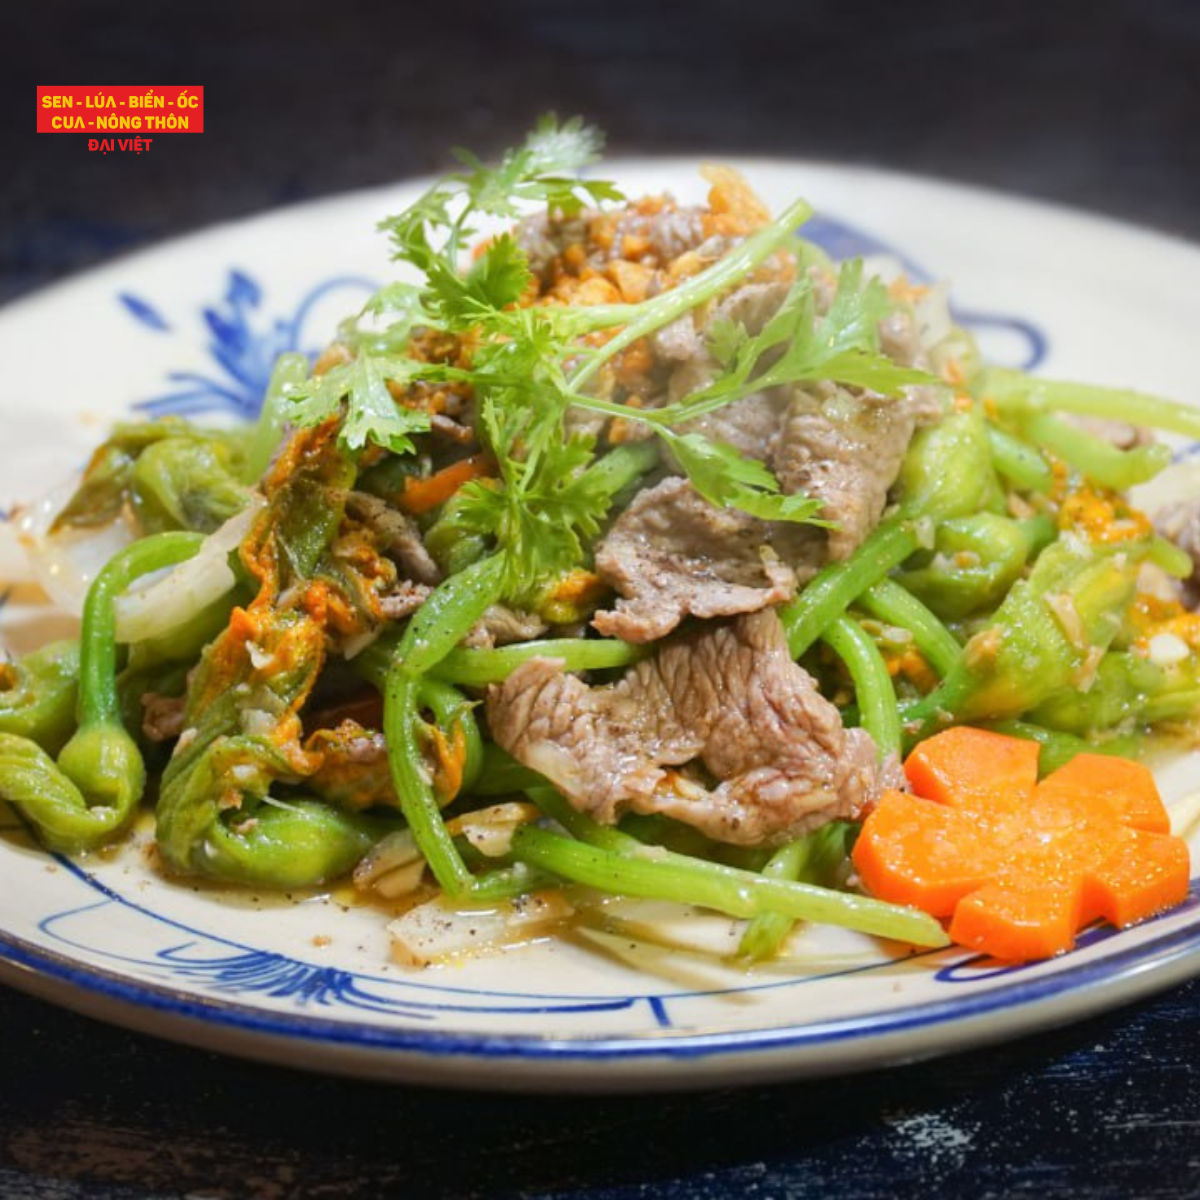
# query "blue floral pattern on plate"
(243, 343)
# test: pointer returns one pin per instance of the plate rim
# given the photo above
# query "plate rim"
(665, 1060)
(1151, 965)
(1101, 221)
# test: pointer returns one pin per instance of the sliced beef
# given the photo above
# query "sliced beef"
(501, 625)
(403, 600)
(666, 234)
(754, 425)
(844, 449)
(684, 343)
(728, 695)
(839, 446)
(671, 554)
(397, 534)
(1120, 434)
(1180, 523)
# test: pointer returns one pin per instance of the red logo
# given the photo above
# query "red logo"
(121, 112)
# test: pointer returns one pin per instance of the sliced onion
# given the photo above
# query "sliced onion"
(66, 562)
(437, 932)
(167, 601)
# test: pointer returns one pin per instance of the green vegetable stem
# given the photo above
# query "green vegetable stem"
(89, 794)
(889, 602)
(872, 683)
(477, 667)
(813, 858)
(1093, 457)
(1020, 463)
(439, 625)
(1015, 393)
(605, 858)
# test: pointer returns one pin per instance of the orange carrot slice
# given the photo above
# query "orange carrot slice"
(1126, 785)
(966, 762)
(421, 495)
(1020, 866)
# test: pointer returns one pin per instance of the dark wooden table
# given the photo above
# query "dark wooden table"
(1095, 106)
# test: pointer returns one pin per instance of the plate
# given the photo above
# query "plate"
(193, 327)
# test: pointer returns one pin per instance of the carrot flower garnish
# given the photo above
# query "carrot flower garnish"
(1018, 866)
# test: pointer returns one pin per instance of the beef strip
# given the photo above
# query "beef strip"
(753, 424)
(403, 600)
(839, 446)
(669, 233)
(398, 536)
(684, 343)
(162, 716)
(671, 554)
(729, 695)
(844, 449)
(501, 625)
(1180, 523)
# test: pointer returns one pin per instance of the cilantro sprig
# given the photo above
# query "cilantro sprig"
(842, 346)
(530, 367)
(432, 233)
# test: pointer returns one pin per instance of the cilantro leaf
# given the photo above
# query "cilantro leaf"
(398, 297)
(539, 170)
(498, 278)
(796, 346)
(430, 234)
(404, 307)
(727, 479)
(409, 230)
(727, 342)
(554, 149)
(541, 516)
(531, 364)
(371, 413)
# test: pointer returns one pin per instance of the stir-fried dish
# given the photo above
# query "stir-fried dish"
(626, 548)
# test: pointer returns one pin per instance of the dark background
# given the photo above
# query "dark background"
(1092, 104)
(1095, 105)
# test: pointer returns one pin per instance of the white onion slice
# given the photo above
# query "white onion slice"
(65, 563)
(436, 932)
(165, 602)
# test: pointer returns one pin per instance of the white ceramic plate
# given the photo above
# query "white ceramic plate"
(192, 327)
